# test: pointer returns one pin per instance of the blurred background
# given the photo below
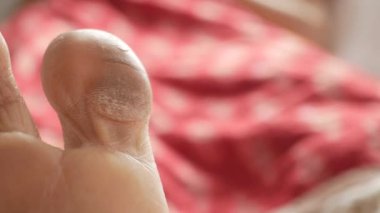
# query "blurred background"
(347, 28)
(256, 102)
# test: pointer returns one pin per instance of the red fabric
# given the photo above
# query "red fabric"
(246, 116)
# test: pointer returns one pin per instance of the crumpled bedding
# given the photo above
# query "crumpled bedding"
(247, 117)
(356, 191)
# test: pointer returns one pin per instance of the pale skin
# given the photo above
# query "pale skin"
(102, 96)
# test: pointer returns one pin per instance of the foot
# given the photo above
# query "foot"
(102, 96)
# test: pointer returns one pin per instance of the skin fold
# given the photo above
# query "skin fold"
(102, 96)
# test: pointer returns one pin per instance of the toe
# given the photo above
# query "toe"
(100, 91)
(14, 115)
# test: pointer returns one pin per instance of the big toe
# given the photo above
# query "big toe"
(99, 89)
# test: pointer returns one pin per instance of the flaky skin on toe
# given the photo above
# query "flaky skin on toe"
(97, 84)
